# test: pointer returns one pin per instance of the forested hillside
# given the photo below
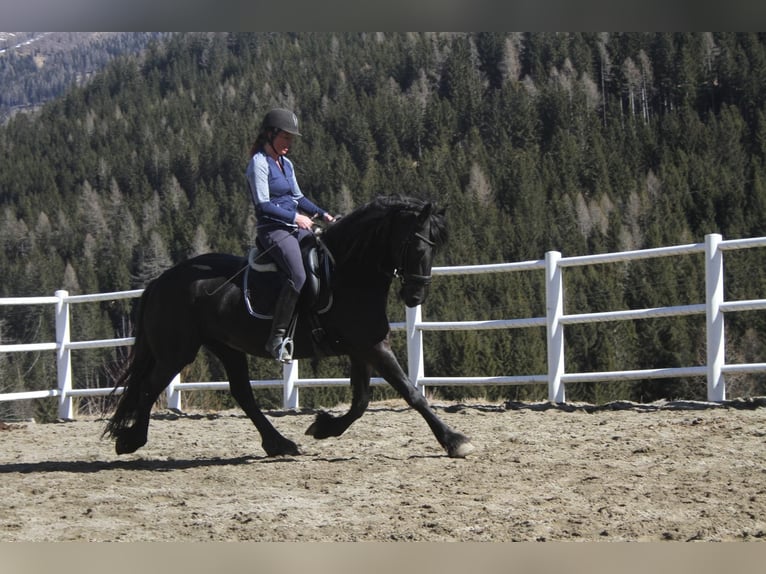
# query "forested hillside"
(38, 66)
(582, 143)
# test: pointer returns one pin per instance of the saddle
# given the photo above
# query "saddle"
(263, 280)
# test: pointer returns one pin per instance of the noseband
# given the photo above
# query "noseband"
(412, 278)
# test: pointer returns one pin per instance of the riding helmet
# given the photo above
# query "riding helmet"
(281, 119)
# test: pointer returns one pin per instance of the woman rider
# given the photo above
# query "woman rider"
(283, 217)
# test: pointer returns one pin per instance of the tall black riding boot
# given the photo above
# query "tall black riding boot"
(278, 344)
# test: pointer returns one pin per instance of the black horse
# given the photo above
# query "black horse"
(196, 304)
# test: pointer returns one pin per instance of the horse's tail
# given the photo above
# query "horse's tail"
(135, 373)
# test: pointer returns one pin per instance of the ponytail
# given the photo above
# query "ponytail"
(263, 138)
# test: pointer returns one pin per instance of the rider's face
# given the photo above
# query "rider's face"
(282, 142)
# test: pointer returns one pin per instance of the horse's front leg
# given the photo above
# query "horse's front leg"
(383, 360)
(327, 425)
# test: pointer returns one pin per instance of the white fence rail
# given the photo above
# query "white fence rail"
(553, 265)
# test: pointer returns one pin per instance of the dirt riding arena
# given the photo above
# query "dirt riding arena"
(620, 472)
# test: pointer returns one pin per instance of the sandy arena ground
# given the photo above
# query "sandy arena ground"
(620, 472)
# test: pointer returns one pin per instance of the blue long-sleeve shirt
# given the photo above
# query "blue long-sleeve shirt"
(276, 195)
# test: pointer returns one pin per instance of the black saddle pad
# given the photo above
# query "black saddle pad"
(263, 281)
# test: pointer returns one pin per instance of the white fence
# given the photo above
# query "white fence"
(554, 322)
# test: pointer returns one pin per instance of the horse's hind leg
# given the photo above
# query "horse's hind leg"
(130, 439)
(235, 363)
(327, 425)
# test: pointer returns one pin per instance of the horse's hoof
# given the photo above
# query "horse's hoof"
(317, 431)
(462, 450)
(322, 426)
(285, 447)
(126, 447)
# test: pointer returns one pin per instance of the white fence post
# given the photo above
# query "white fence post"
(415, 368)
(63, 356)
(173, 394)
(289, 388)
(554, 303)
(716, 345)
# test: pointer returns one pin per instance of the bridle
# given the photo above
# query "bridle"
(412, 278)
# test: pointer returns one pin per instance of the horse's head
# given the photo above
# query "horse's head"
(415, 239)
(388, 234)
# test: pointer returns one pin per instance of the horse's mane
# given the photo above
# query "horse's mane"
(355, 232)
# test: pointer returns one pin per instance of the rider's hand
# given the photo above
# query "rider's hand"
(328, 218)
(303, 221)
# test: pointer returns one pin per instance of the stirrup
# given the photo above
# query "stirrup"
(284, 352)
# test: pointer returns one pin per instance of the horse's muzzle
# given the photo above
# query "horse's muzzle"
(413, 295)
